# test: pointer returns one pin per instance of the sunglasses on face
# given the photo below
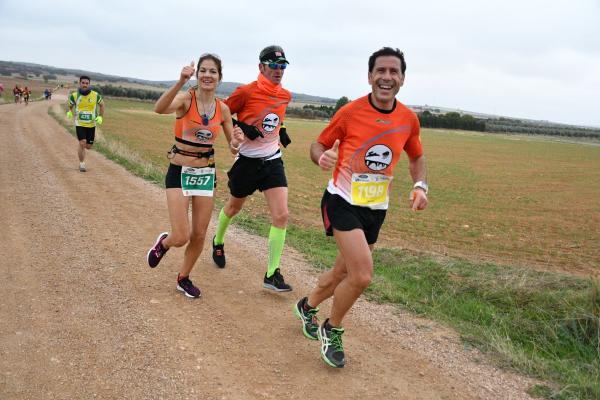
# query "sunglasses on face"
(273, 65)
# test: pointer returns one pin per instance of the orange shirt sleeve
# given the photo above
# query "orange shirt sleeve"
(236, 100)
(413, 145)
(335, 129)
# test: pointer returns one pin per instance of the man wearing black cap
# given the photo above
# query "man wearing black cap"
(260, 107)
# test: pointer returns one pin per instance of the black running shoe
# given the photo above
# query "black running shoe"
(156, 253)
(218, 254)
(276, 282)
(187, 287)
(332, 349)
(310, 323)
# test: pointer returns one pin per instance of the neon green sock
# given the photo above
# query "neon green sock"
(276, 240)
(224, 221)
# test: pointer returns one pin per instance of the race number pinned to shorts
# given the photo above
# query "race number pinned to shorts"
(197, 181)
(85, 116)
(370, 189)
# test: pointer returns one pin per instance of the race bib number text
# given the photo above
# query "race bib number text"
(197, 181)
(370, 189)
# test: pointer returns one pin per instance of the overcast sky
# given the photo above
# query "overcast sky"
(519, 58)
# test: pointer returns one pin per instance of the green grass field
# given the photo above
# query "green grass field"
(503, 253)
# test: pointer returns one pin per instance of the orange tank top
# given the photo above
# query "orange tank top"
(190, 129)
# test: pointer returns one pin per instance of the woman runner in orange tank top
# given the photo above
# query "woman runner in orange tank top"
(191, 174)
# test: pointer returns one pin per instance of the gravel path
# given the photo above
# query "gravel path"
(83, 317)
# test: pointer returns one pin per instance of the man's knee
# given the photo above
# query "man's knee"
(232, 208)
(280, 217)
(362, 279)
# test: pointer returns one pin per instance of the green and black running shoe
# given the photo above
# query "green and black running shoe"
(218, 254)
(276, 282)
(310, 323)
(332, 349)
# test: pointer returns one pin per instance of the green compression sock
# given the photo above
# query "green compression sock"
(276, 240)
(224, 221)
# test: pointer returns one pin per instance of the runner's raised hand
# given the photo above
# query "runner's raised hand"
(329, 157)
(187, 72)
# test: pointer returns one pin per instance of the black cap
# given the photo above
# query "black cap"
(273, 54)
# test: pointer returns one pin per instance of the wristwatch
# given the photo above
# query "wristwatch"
(422, 185)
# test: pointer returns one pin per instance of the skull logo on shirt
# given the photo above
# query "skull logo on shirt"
(270, 122)
(378, 157)
(203, 135)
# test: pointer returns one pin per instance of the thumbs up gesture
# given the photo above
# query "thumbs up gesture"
(187, 72)
(328, 159)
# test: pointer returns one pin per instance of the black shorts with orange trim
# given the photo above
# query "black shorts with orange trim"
(338, 214)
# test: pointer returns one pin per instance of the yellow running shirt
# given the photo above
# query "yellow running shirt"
(85, 108)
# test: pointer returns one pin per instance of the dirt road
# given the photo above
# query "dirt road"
(83, 317)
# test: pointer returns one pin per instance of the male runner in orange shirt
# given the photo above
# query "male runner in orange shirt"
(260, 107)
(363, 143)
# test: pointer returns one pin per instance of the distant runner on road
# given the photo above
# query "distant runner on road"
(87, 106)
(26, 94)
(362, 144)
(17, 93)
(191, 176)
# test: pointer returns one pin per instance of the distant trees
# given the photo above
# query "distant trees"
(120, 91)
(342, 101)
(451, 120)
(454, 120)
(517, 126)
(311, 111)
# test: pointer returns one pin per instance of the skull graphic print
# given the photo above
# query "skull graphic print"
(203, 135)
(270, 122)
(378, 157)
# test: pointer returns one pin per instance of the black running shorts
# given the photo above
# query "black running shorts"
(86, 133)
(249, 174)
(339, 214)
(173, 177)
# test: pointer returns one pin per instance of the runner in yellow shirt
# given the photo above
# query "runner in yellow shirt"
(87, 106)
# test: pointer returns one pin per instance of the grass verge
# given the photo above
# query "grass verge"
(543, 324)
(117, 151)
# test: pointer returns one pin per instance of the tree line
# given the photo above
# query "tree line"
(133, 93)
(450, 120)
(310, 111)
(454, 120)
(508, 125)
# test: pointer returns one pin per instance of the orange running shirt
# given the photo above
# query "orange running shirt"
(262, 104)
(190, 130)
(371, 142)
